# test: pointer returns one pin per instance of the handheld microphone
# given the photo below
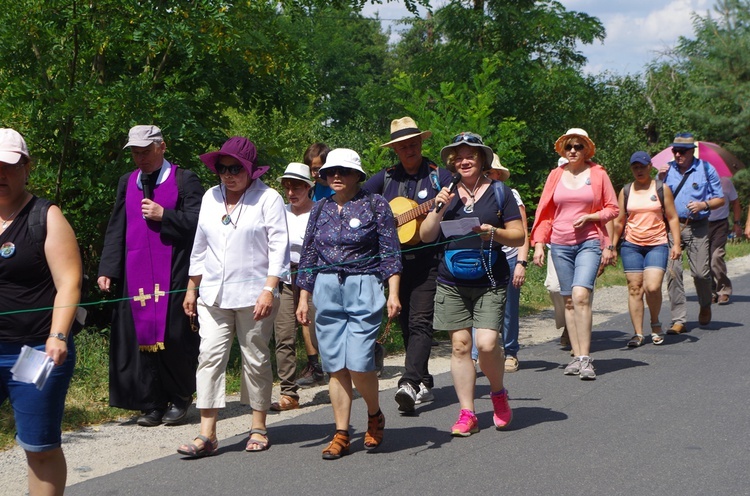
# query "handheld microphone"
(148, 192)
(451, 187)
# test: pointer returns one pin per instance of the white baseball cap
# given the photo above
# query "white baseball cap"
(12, 146)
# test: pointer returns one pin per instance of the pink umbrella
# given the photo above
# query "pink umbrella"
(725, 162)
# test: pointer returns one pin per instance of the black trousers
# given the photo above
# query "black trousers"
(417, 295)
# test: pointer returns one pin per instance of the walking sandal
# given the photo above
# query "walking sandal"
(375, 427)
(338, 447)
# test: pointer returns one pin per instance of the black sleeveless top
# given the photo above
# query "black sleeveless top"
(25, 284)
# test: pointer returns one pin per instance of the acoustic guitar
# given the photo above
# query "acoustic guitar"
(409, 216)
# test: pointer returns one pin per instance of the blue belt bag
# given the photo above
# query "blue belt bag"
(467, 264)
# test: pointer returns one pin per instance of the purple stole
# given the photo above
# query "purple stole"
(148, 262)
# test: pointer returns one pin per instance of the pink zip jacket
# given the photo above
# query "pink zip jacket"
(605, 202)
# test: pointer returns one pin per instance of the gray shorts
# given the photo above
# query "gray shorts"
(461, 307)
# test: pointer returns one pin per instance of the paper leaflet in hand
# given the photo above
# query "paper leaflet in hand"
(32, 367)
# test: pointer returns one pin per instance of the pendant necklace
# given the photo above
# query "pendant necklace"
(10, 218)
(226, 219)
(469, 207)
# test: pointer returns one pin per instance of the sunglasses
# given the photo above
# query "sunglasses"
(469, 138)
(578, 147)
(332, 171)
(680, 151)
(231, 169)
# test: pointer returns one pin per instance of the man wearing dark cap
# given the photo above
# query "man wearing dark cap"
(697, 190)
(145, 260)
(414, 180)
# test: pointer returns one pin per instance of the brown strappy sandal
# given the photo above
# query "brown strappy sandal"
(338, 447)
(374, 434)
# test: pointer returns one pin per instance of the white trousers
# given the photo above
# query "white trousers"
(217, 330)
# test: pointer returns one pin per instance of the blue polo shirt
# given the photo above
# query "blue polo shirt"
(702, 185)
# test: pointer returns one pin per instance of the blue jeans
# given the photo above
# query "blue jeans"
(637, 258)
(510, 321)
(576, 265)
(38, 414)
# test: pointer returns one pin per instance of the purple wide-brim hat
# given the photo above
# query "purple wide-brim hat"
(241, 149)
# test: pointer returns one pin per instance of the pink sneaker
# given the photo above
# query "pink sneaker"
(466, 425)
(503, 413)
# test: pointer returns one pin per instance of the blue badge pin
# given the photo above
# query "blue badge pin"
(7, 250)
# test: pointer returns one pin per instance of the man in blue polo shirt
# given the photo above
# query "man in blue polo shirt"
(697, 190)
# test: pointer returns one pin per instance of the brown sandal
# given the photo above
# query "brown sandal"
(338, 447)
(375, 427)
(192, 450)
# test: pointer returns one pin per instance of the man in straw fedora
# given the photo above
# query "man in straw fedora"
(419, 179)
(697, 190)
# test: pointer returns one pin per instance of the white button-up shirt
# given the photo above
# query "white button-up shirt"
(234, 262)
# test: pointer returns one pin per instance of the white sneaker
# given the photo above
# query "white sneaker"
(424, 395)
(406, 397)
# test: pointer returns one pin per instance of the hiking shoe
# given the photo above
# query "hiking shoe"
(424, 395)
(677, 328)
(704, 316)
(586, 371)
(574, 367)
(511, 363)
(466, 425)
(406, 397)
(311, 376)
(503, 414)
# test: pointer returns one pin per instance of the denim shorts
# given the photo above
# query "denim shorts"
(637, 258)
(38, 414)
(463, 307)
(348, 315)
(576, 265)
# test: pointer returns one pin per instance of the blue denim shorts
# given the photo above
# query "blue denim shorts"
(637, 258)
(348, 315)
(38, 414)
(576, 265)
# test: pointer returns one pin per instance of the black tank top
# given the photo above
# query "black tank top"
(25, 284)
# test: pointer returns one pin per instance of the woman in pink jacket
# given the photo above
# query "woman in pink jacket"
(577, 202)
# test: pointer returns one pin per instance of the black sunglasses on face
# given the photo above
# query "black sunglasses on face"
(680, 151)
(232, 169)
(578, 147)
(469, 138)
(332, 171)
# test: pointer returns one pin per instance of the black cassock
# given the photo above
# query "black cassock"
(143, 380)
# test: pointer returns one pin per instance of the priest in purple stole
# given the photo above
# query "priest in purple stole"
(145, 260)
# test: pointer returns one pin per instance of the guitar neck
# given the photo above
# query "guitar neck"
(415, 212)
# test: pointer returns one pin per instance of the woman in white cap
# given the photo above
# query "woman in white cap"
(473, 273)
(296, 184)
(577, 202)
(40, 280)
(240, 254)
(351, 248)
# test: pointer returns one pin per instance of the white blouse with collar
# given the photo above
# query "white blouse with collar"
(234, 262)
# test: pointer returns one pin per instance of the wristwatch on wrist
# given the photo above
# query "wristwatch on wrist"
(273, 291)
(611, 247)
(62, 337)
(524, 263)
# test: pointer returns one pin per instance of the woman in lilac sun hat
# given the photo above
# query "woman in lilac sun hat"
(240, 255)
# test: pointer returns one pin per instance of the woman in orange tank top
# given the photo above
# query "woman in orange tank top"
(641, 226)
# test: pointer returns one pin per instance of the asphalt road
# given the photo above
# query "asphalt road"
(666, 420)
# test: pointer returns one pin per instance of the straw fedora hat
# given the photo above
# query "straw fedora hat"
(404, 129)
